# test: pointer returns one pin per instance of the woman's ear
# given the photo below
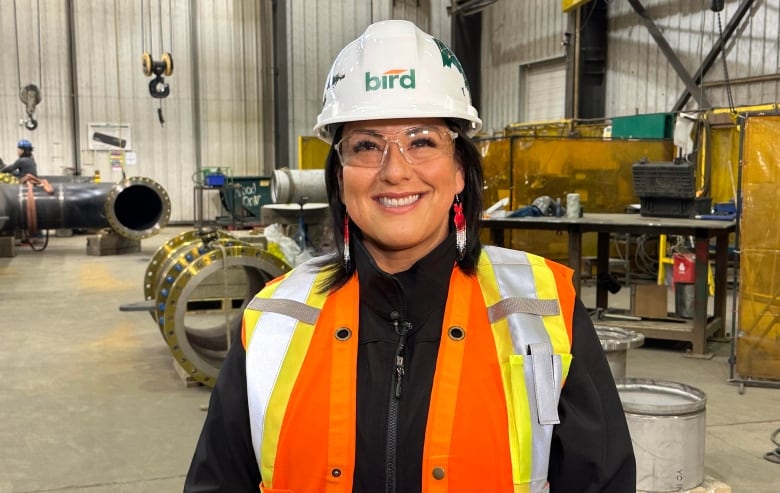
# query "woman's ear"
(460, 177)
(340, 178)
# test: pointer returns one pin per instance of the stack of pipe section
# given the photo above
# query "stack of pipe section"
(200, 282)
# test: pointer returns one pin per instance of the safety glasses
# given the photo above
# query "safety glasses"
(368, 149)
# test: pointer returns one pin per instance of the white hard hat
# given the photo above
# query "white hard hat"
(395, 70)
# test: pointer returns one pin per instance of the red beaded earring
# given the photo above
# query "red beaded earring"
(346, 241)
(460, 227)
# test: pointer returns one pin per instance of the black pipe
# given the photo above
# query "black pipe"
(135, 208)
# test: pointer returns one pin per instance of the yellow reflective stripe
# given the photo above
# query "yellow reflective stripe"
(251, 316)
(546, 288)
(503, 274)
(280, 396)
(521, 420)
(275, 355)
(505, 351)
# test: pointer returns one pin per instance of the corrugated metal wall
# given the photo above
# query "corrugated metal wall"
(641, 80)
(221, 108)
(219, 111)
(513, 34)
(23, 61)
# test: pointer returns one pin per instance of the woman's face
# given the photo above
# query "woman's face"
(401, 207)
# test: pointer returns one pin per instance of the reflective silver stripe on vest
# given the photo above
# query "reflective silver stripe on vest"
(522, 305)
(544, 384)
(293, 309)
(515, 279)
(268, 346)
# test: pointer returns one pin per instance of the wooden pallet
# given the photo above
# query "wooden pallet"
(186, 378)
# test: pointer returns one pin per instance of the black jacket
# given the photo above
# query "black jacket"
(591, 449)
(22, 166)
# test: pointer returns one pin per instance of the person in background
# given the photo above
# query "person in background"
(25, 164)
(413, 358)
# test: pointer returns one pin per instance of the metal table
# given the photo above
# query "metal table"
(603, 225)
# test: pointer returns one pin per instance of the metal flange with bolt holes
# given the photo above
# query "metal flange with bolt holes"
(138, 208)
(200, 290)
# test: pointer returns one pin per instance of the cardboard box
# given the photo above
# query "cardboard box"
(649, 301)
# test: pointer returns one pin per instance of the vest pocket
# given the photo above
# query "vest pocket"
(536, 380)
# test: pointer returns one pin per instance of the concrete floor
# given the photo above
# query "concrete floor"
(90, 401)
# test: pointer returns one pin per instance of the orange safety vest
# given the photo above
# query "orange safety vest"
(489, 425)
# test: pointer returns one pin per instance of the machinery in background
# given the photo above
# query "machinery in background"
(131, 210)
(196, 287)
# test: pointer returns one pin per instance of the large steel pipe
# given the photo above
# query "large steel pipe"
(200, 282)
(135, 208)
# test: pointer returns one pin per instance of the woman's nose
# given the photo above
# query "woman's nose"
(395, 164)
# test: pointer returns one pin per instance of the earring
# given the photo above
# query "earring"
(346, 241)
(460, 227)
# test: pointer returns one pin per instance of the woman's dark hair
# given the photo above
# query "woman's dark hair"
(26, 151)
(465, 152)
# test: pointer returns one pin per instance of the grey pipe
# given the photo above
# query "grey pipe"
(135, 208)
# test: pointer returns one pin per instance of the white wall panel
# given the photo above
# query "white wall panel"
(541, 87)
(515, 33)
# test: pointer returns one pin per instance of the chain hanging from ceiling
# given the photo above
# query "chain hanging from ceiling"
(29, 94)
(157, 69)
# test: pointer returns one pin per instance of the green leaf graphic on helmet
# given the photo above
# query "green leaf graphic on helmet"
(448, 59)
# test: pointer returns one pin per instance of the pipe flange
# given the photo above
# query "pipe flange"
(137, 208)
(200, 348)
(165, 256)
(177, 265)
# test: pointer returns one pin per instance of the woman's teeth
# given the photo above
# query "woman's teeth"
(404, 201)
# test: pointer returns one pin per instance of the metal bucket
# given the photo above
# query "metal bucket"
(684, 297)
(616, 342)
(666, 421)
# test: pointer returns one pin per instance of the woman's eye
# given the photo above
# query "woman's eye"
(365, 145)
(422, 142)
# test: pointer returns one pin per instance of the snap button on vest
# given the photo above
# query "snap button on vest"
(438, 473)
(456, 333)
(336, 473)
(343, 333)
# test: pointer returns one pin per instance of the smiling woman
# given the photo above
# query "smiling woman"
(413, 358)
(399, 196)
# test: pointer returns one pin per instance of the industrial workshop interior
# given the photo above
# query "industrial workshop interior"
(635, 141)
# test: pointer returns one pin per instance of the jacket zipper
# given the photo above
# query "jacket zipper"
(402, 329)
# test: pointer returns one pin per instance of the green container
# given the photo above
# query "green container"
(250, 193)
(651, 126)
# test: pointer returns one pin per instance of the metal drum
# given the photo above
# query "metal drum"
(616, 342)
(291, 185)
(667, 425)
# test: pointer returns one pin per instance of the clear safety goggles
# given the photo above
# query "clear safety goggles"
(368, 149)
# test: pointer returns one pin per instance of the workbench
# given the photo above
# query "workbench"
(695, 331)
